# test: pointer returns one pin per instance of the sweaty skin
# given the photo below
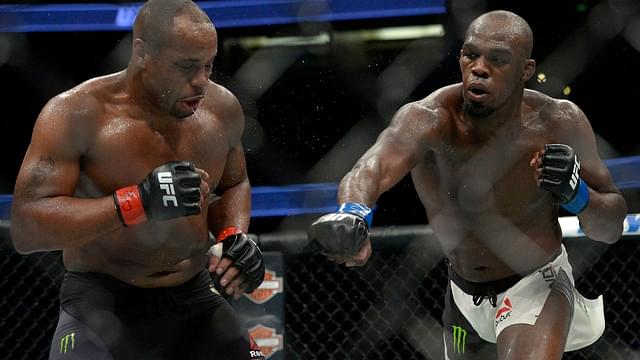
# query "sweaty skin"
(481, 194)
(472, 149)
(110, 132)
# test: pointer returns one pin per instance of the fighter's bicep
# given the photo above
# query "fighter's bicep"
(411, 133)
(579, 134)
(44, 176)
(400, 147)
(52, 163)
(235, 169)
(396, 156)
(595, 172)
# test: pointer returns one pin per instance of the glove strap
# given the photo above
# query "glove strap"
(228, 231)
(357, 209)
(129, 205)
(579, 201)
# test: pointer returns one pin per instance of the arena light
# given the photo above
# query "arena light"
(265, 41)
(324, 38)
(541, 78)
(394, 33)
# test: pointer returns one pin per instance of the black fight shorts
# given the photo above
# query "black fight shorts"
(104, 318)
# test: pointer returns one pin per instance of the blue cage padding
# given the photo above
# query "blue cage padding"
(224, 13)
(317, 198)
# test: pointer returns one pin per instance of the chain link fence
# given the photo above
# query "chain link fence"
(29, 301)
(389, 309)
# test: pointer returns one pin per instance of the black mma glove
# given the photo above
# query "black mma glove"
(343, 232)
(171, 190)
(245, 254)
(561, 176)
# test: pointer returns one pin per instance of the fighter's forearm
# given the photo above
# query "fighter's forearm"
(602, 220)
(363, 184)
(55, 223)
(233, 208)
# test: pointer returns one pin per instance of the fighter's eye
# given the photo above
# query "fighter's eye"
(500, 60)
(185, 66)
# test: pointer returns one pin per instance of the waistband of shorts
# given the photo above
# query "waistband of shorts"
(492, 287)
(483, 288)
(114, 285)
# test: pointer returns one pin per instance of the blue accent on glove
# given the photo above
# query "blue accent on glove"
(357, 209)
(579, 201)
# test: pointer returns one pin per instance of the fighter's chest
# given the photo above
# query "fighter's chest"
(490, 175)
(126, 150)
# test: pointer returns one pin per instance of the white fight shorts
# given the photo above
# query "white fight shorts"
(522, 303)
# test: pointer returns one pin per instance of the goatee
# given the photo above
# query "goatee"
(475, 109)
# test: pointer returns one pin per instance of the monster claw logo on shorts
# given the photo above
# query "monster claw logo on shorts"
(67, 343)
(459, 339)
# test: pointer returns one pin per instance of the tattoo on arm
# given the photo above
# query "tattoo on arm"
(37, 176)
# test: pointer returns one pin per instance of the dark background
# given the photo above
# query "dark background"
(326, 92)
(322, 110)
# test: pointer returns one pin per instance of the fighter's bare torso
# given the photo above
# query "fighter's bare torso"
(480, 193)
(122, 147)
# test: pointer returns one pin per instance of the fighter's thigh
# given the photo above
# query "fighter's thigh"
(215, 334)
(461, 341)
(544, 340)
(74, 340)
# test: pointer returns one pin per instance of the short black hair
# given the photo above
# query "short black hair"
(522, 32)
(155, 19)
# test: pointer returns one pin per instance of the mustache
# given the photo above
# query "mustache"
(197, 96)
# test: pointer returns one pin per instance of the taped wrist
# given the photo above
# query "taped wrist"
(129, 205)
(245, 253)
(360, 210)
(580, 199)
(228, 231)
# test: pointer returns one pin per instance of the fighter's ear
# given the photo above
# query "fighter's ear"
(139, 51)
(529, 69)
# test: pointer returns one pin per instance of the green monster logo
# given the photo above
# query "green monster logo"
(459, 338)
(67, 343)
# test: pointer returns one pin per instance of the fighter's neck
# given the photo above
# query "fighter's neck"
(144, 106)
(485, 127)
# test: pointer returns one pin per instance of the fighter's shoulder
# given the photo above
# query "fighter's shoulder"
(432, 111)
(84, 101)
(226, 109)
(559, 112)
(221, 98)
(74, 115)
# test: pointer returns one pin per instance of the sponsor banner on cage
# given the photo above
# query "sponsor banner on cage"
(263, 310)
(268, 339)
(270, 287)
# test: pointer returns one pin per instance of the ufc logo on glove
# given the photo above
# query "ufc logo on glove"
(151, 198)
(575, 177)
(166, 183)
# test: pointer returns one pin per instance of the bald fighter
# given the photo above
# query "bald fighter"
(492, 162)
(128, 174)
